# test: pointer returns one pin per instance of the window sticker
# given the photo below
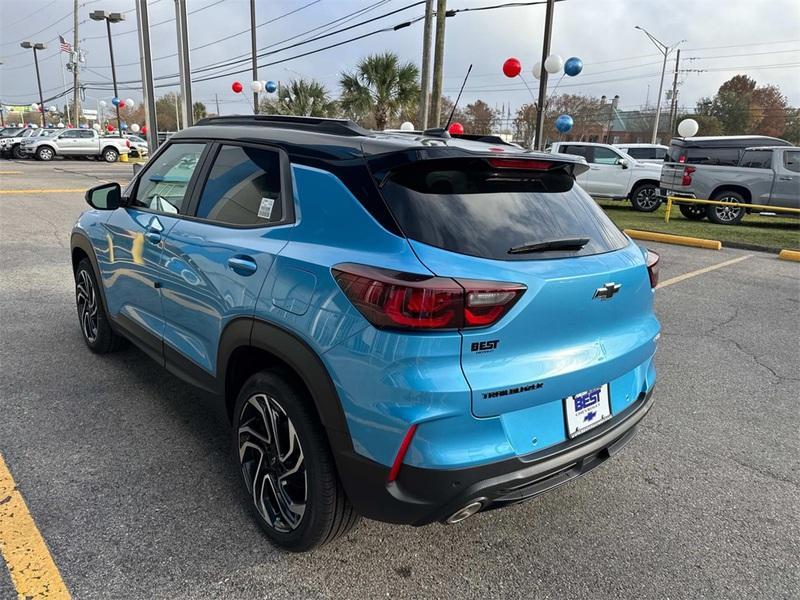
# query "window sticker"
(265, 209)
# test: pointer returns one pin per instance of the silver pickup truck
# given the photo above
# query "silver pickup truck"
(766, 175)
(76, 142)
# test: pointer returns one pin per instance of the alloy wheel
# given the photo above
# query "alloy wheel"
(647, 198)
(87, 305)
(728, 214)
(272, 462)
(45, 154)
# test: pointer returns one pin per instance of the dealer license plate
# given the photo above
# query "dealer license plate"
(587, 410)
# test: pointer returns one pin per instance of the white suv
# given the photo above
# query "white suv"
(614, 174)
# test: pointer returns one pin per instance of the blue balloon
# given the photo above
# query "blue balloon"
(115, 101)
(271, 87)
(123, 125)
(573, 66)
(564, 123)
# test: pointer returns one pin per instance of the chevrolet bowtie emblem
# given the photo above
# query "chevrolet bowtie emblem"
(607, 291)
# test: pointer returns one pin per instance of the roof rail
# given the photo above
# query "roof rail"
(318, 124)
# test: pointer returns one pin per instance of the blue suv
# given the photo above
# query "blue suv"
(408, 327)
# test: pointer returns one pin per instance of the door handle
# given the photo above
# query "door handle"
(242, 265)
(595, 168)
(784, 178)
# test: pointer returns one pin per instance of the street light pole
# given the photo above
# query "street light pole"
(109, 18)
(143, 20)
(666, 51)
(540, 105)
(35, 46)
(254, 50)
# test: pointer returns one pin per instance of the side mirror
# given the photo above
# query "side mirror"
(623, 162)
(107, 196)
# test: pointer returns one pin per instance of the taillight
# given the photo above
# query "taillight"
(395, 300)
(128, 143)
(653, 267)
(682, 158)
(687, 175)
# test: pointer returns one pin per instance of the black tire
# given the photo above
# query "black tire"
(693, 212)
(45, 153)
(17, 153)
(726, 215)
(326, 512)
(95, 327)
(110, 155)
(644, 197)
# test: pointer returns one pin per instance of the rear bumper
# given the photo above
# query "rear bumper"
(420, 496)
(664, 192)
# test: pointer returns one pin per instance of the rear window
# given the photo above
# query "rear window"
(467, 206)
(704, 156)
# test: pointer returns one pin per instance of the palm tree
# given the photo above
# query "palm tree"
(380, 86)
(307, 98)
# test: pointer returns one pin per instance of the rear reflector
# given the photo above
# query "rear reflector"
(401, 453)
(687, 175)
(520, 163)
(653, 268)
(396, 300)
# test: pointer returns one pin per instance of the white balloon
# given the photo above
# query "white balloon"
(52, 109)
(537, 70)
(553, 63)
(60, 124)
(407, 126)
(135, 128)
(688, 128)
(129, 103)
(96, 126)
(103, 104)
(264, 84)
(34, 126)
(34, 106)
(256, 87)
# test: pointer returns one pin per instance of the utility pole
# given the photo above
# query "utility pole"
(438, 62)
(665, 50)
(216, 99)
(183, 62)
(540, 105)
(425, 80)
(254, 50)
(76, 78)
(673, 109)
(148, 91)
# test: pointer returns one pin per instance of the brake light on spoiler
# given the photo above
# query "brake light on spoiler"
(396, 300)
(520, 164)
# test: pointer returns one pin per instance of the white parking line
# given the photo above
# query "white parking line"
(691, 274)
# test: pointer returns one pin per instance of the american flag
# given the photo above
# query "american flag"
(65, 45)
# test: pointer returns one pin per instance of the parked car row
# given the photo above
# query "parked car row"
(754, 170)
(46, 144)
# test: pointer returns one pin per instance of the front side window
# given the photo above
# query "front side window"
(163, 184)
(757, 159)
(791, 160)
(243, 187)
(605, 156)
(69, 135)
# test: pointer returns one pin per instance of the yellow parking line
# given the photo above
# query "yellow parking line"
(691, 274)
(43, 191)
(29, 563)
(10, 172)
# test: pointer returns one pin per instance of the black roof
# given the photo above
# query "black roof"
(340, 138)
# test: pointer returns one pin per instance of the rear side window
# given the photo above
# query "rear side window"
(757, 159)
(467, 206)
(243, 187)
(704, 156)
(584, 151)
(640, 153)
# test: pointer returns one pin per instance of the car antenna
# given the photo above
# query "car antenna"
(452, 112)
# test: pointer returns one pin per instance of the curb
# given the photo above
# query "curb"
(790, 255)
(667, 238)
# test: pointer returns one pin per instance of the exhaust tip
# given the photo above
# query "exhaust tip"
(464, 513)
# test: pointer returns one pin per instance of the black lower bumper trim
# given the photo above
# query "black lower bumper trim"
(421, 496)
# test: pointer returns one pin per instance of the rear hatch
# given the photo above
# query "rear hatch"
(463, 217)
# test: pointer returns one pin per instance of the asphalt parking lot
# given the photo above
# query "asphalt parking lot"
(128, 475)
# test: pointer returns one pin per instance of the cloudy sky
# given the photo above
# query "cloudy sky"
(758, 37)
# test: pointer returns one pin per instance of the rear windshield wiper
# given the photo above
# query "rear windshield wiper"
(563, 244)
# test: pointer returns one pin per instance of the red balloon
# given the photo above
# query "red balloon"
(143, 130)
(456, 128)
(121, 104)
(109, 128)
(512, 67)
(237, 87)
